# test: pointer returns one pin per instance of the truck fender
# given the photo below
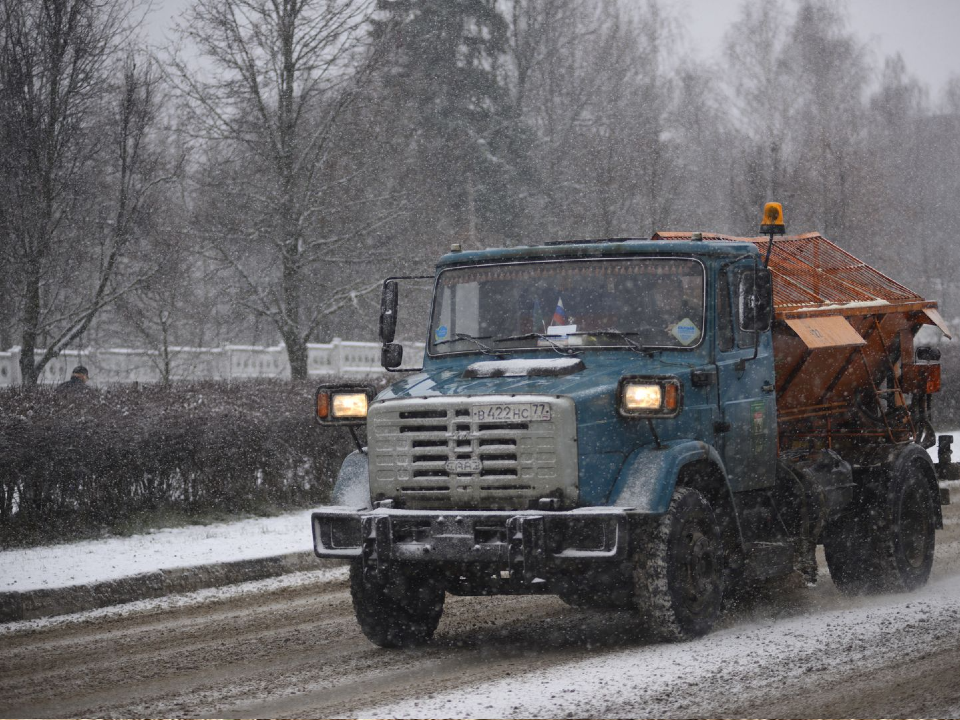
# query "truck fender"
(902, 455)
(649, 476)
(352, 488)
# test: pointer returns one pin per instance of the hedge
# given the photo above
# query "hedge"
(73, 464)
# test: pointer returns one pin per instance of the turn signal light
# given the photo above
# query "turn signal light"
(323, 405)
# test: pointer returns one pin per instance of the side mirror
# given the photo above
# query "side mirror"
(391, 355)
(388, 311)
(756, 300)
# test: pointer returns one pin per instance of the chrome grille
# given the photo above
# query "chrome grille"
(430, 453)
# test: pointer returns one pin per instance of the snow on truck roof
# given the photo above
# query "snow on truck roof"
(587, 249)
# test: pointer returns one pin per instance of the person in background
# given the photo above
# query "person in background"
(77, 382)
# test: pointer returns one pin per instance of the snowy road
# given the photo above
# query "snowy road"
(290, 647)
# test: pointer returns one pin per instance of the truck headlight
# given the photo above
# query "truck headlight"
(642, 397)
(343, 405)
(649, 396)
(350, 405)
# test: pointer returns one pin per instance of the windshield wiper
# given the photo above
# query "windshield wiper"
(485, 349)
(546, 338)
(625, 336)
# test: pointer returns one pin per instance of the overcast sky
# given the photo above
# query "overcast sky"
(925, 32)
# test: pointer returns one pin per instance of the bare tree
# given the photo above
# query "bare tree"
(763, 103)
(591, 81)
(76, 171)
(269, 113)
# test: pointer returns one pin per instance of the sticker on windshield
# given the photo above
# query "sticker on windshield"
(685, 331)
(441, 332)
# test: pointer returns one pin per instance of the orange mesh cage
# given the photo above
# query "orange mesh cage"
(813, 276)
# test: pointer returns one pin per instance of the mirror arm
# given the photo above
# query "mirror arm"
(766, 260)
(756, 271)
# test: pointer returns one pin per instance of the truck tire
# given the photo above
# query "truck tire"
(401, 612)
(678, 570)
(887, 544)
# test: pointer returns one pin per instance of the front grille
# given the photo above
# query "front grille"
(431, 453)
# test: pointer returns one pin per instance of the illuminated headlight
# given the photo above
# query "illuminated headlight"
(649, 397)
(642, 397)
(343, 405)
(350, 405)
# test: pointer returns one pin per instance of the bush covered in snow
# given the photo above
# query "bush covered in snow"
(75, 463)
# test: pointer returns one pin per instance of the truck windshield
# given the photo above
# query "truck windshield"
(616, 302)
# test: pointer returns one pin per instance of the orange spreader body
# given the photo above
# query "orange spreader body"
(843, 333)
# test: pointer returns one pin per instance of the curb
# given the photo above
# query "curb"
(33, 604)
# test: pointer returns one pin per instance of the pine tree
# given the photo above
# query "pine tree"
(445, 75)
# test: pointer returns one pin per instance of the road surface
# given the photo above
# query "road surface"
(293, 649)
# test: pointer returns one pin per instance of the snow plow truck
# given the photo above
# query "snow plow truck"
(640, 423)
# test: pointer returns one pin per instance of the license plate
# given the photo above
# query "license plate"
(464, 466)
(511, 412)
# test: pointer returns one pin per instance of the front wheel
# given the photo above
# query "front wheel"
(400, 612)
(678, 571)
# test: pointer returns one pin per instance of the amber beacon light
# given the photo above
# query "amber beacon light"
(772, 224)
(772, 220)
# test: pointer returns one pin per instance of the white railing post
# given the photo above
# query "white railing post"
(336, 367)
(10, 367)
(16, 377)
(230, 362)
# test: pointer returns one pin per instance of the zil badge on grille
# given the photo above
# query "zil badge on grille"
(473, 465)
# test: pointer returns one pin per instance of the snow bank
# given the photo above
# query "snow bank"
(90, 561)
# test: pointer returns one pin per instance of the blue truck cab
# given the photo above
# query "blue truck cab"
(594, 419)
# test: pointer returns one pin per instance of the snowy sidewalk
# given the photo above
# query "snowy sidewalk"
(92, 561)
(58, 579)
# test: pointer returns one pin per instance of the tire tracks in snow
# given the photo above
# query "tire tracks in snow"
(291, 647)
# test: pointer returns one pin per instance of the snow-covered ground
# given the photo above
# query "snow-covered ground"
(686, 679)
(93, 561)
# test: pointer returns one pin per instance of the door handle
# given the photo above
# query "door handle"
(721, 426)
(767, 387)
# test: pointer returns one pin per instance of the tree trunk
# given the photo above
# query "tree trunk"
(29, 373)
(297, 355)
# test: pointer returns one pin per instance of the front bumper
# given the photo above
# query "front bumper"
(527, 544)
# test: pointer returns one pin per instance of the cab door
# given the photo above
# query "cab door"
(747, 430)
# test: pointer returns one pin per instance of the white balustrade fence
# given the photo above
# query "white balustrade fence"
(231, 362)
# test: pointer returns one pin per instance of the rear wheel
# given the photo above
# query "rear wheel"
(678, 573)
(403, 611)
(887, 544)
